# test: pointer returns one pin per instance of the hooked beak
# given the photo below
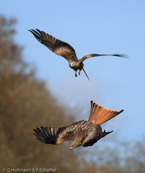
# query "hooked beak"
(71, 148)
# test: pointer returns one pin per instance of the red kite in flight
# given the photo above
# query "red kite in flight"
(82, 133)
(65, 50)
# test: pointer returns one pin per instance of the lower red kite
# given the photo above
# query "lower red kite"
(83, 132)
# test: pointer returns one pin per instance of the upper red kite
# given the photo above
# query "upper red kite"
(65, 50)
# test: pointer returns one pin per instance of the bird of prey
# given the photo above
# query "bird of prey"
(65, 50)
(82, 133)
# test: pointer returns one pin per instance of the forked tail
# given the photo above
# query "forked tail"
(86, 74)
(100, 115)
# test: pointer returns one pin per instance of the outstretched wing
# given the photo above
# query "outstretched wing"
(57, 46)
(48, 135)
(99, 114)
(56, 135)
(93, 55)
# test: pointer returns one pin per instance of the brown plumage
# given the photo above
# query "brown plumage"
(82, 133)
(65, 50)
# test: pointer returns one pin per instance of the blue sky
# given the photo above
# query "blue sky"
(90, 27)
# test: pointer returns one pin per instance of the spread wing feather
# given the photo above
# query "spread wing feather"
(93, 55)
(99, 114)
(57, 135)
(57, 46)
(47, 135)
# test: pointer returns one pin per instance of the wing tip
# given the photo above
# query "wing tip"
(121, 55)
(41, 135)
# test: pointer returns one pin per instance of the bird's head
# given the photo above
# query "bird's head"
(73, 64)
(74, 144)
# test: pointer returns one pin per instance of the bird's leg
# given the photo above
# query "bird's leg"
(79, 72)
(75, 74)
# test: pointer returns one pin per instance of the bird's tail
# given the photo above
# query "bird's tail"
(47, 135)
(86, 74)
(99, 114)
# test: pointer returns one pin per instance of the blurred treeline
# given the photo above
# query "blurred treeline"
(26, 103)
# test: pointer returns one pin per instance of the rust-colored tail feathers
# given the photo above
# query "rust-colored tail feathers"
(99, 114)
